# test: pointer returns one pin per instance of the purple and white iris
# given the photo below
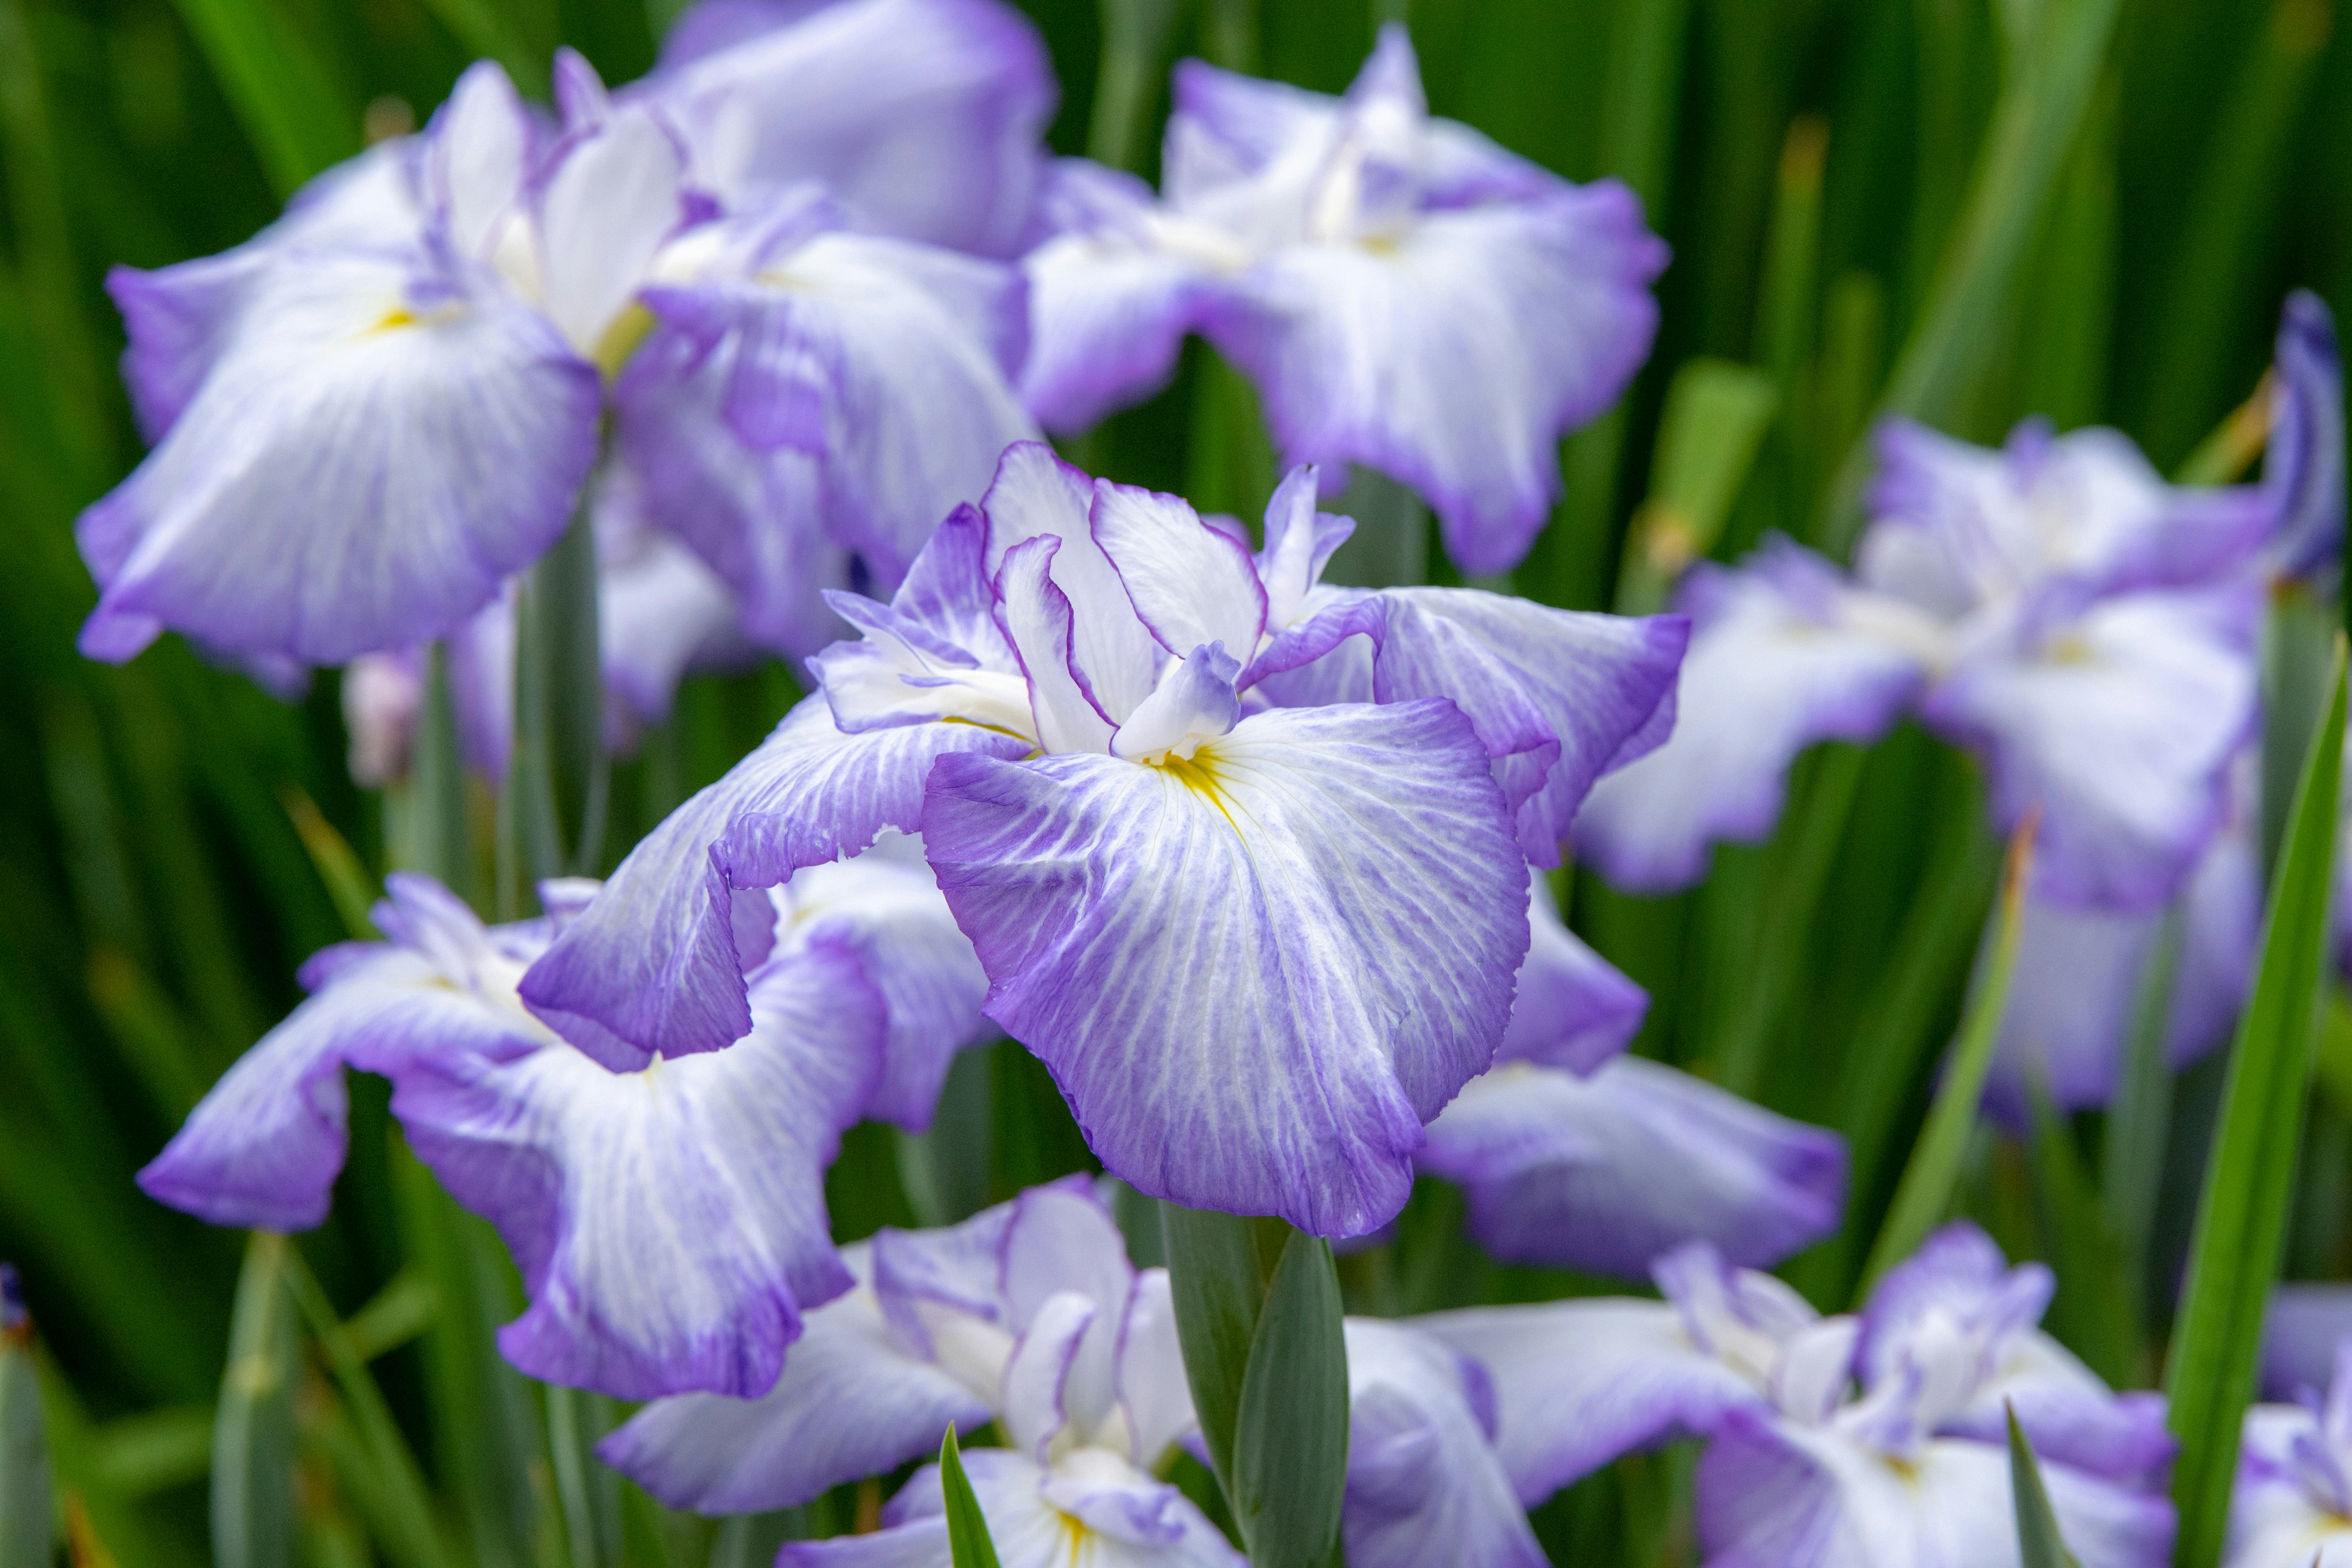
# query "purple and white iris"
(1573, 1154)
(2082, 626)
(1406, 294)
(372, 415)
(1245, 859)
(1832, 1442)
(1029, 1315)
(668, 1216)
(2293, 1504)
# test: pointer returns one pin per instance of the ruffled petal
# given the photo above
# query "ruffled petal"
(2119, 723)
(1577, 1383)
(1040, 624)
(669, 1224)
(1455, 355)
(360, 472)
(924, 116)
(1784, 655)
(1573, 1009)
(1424, 1485)
(653, 958)
(1554, 695)
(1152, 1388)
(1606, 1172)
(851, 1403)
(1256, 973)
(1775, 1495)
(1036, 495)
(1190, 584)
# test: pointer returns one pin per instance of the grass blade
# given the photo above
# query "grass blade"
(1925, 1193)
(1290, 1441)
(293, 111)
(2242, 1215)
(968, 1538)
(253, 1432)
(2038, 1541)
(1715, 416)
(26, 1511)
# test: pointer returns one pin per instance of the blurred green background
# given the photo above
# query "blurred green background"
(1971, 211)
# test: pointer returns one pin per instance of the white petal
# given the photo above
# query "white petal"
(1190, 584)
(608, 207)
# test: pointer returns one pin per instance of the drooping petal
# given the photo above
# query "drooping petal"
(360, 472)
(1785, 655)
(924, 116)
(1455, 355)
(1294, 947)
(884, 906)
(1573, 1009)
(1425, 1484)
(2119, 724)
(670, 1222)
(1578, 1382)
(1605, 1173)
(1556, 696)
(1109, 301)
(653, 958)
(1776, 1495)
(851, 1403)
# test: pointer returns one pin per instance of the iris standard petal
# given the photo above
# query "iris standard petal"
(1606, 1172)
(851, 1403)
(1190, 584)
(360, 472)
(653, 958)
(1454, 355)
(613, 198)
(1425, 1484)
(670, 1222)
(1577, 1383)
(1784, 655)
(1036, 495)
(1296, 946)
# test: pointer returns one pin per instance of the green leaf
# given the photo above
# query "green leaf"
(347, 882)
(1290, 1440)
(1135, 45)
(2092, 1314)
(553, 809)
(253, 1429)
(1925, 1195)
(1715, 416)
(299, 120)
(2139, 1121)
(586, 1493)
(2038, 1541)
(2242, 1215)
(25, 1513)
(1219, 1289)
(968, 1540)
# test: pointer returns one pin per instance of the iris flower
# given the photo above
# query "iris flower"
(1260, 930)
(1406, 294)
(1879, 1439)
(668, 1216)
(372, 414)
(2293, 1505)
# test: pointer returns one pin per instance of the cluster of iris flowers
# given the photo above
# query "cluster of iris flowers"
(1257, 862)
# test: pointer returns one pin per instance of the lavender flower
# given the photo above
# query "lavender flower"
(1028, 1315)
(1289, 931)
(2293, 1505)
(668, 1217)
(1406, 294)
(1573, 1154)
(2054, 606)
(1876, 1439)
(372, 415)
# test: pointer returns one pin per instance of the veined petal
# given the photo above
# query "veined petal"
(924, 116)
(1040, 623)
(1036, 495)
(1773, 1493)
(1577, 1383)
(1784, 655)
(1424, 1485)
(1558, 698)
(1606, 1172)
(360, 472)
(851, 1403)
(670, 1222)
(1190, 584)
(1294, 947)
(1455, 355)
(653, 958)
(1573, 1008)
(2120, 724)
